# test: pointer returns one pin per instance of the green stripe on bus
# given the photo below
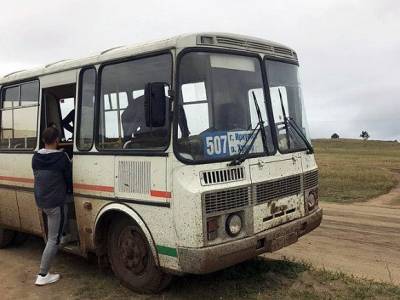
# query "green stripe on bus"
(167, 251)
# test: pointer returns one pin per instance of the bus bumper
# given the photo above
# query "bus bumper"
(214, 258)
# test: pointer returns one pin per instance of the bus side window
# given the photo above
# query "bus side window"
(122, 121)
(84, 139)
(18, 113)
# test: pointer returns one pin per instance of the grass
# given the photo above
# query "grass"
(273, 279)
(356, 170)
(255, 279)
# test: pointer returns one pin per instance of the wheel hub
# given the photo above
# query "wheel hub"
(133, 250)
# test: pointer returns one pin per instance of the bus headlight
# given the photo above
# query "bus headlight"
(312, 199)
(233, 224)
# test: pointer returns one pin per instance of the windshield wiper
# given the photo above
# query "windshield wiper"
(290, 121)
(261, 123)
(285, 119)
(300, 132)
(242, 156)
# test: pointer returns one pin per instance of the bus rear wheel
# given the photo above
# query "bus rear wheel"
(132, 260)
(6, 237)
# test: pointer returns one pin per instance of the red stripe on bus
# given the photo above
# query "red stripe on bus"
(160, 194)
(101, 188)
(16, 179)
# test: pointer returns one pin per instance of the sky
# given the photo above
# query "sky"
(348, 49)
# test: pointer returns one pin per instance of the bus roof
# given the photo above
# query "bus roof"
(210, 39)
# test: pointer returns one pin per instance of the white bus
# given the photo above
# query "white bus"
(189, 154)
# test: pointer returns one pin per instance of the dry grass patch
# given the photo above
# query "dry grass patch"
(355, 170)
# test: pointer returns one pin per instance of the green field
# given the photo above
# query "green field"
(356, 170)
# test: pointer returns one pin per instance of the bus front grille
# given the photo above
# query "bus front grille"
(222, 176)
(311, 179)
(275, 189)
(227, 199)
(224, 200)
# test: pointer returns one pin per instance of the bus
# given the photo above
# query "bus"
(190, 154)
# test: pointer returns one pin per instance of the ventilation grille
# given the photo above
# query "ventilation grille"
(228, 199)
(278, 189)
(222, 176)
(228, 41)
(310, 179)
(284, 51)
(134, 177)
(243, 43)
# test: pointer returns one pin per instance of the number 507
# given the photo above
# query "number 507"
(216, 144)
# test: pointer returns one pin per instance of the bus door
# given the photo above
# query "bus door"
(58, 109)
(140, 165)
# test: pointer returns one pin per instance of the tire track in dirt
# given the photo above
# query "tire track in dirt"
(362, 239)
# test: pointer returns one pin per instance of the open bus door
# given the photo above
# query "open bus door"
(58, 109)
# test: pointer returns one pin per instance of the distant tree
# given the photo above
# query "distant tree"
(334, 136)
(364, 135)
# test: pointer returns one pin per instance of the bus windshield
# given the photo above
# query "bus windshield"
(287, 105)
(217, 111)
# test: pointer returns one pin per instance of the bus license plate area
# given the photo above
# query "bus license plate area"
(277, 212)
(283, 241)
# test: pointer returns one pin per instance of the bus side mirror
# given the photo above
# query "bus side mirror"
(155, 104)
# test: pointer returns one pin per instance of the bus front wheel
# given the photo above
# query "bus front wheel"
(131, 258)
(6, 237)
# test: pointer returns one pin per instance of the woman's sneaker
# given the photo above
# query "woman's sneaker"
(49, 278)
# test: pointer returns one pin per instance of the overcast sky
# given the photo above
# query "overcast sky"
(348, 50)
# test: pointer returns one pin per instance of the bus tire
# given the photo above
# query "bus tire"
(6, 237)
(132, 260)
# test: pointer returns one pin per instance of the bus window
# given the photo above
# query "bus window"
(86, 110)
(11, 97)
(122, 120)
(67, 115)
(6, 129)
(58, 110)
(287, 102)
(29, 93)
(19, 116)
(195, 107)
(216, 106)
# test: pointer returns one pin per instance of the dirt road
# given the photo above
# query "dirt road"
(80, 279)
(361, 239)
